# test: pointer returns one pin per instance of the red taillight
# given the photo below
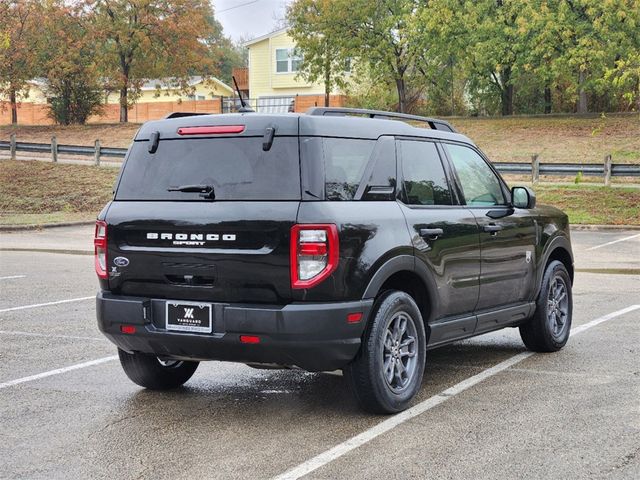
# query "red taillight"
(211, 130)
(314, 254)
(249, 339)
(100, 249)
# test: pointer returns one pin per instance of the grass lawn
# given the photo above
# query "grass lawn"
(40, 192)
(561, 139)
(589, 204)
(110, 135)
(569, 139)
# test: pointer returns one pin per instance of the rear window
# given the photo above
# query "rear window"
(237, 168)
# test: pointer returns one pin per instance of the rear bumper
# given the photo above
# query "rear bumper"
(315, 337)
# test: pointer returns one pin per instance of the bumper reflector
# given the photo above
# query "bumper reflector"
(128, 329)
(354, 317)
(249, 339)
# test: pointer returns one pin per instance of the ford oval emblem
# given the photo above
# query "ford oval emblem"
(121, 261)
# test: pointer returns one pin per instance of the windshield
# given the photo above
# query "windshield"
(236, 168)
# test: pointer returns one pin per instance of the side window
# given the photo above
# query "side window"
(425, 182)
(345, 160)
(480, 185)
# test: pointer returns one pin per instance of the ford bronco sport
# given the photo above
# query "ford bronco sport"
(336, 239)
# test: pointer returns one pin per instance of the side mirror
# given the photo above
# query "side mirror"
(523, 197)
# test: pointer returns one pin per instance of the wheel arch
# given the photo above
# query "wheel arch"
(405, 274)
(559, 248)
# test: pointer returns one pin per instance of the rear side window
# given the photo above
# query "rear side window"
(345, 160)
(425, 182)
(237, 168)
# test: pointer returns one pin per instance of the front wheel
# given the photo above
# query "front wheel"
(155, 373)
(387, 372)
(548, 330)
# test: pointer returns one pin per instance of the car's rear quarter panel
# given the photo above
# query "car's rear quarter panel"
(370, 233)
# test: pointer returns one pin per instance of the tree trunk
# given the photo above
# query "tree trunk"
(547, 100)
(125, 66)
(582, 94)
(506, 98)
(453, 92)
(14, 106)
(327, 84)
(124, 112)
(402, 95)
(506, 92)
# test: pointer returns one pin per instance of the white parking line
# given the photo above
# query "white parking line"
(57, 371)
(80, 299)
(45, 335)
(614, 241)
(345, 447)
(11, 277)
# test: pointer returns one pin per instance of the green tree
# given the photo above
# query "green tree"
(224, 54)
(492, 38)
(67, 61)
(325, 56)
(378, 37)
(622, 26)
(18, 59)
(142, 39)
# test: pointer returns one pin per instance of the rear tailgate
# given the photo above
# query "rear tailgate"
(219, 252)
(164, 243)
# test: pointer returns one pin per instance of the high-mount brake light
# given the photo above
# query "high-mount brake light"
(314, 253)
(211, 130)
(100, 249)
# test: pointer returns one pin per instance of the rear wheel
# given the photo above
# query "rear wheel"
(155, 373)
(388, 370)
(548, 330)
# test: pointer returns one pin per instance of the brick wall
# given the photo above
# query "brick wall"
(37, 114)
(304, 102)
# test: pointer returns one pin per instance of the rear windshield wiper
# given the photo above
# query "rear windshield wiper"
(205, 191)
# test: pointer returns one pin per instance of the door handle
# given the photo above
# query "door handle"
(431, 233)
(492, 229)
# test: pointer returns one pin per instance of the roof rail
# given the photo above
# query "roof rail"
(434, 123)
(184, 114)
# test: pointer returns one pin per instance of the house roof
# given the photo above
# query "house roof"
(153, 84)
(264, 37)
(168, 83)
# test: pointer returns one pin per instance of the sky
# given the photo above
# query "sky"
(245, 19)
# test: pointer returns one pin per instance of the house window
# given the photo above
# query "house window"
(288, 60)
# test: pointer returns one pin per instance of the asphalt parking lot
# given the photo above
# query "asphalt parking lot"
(487, 408)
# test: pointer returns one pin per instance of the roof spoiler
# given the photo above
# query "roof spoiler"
(434, 123)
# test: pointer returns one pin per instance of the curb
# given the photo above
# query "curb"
(604, 227)
(48, 250)
(10, 228)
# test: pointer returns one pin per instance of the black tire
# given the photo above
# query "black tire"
(148, 371)
(549, 328)
(368, 373)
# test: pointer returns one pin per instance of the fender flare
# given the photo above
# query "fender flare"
(404, 263)
(558, 241)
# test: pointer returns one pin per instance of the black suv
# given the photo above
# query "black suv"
(336, 239)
